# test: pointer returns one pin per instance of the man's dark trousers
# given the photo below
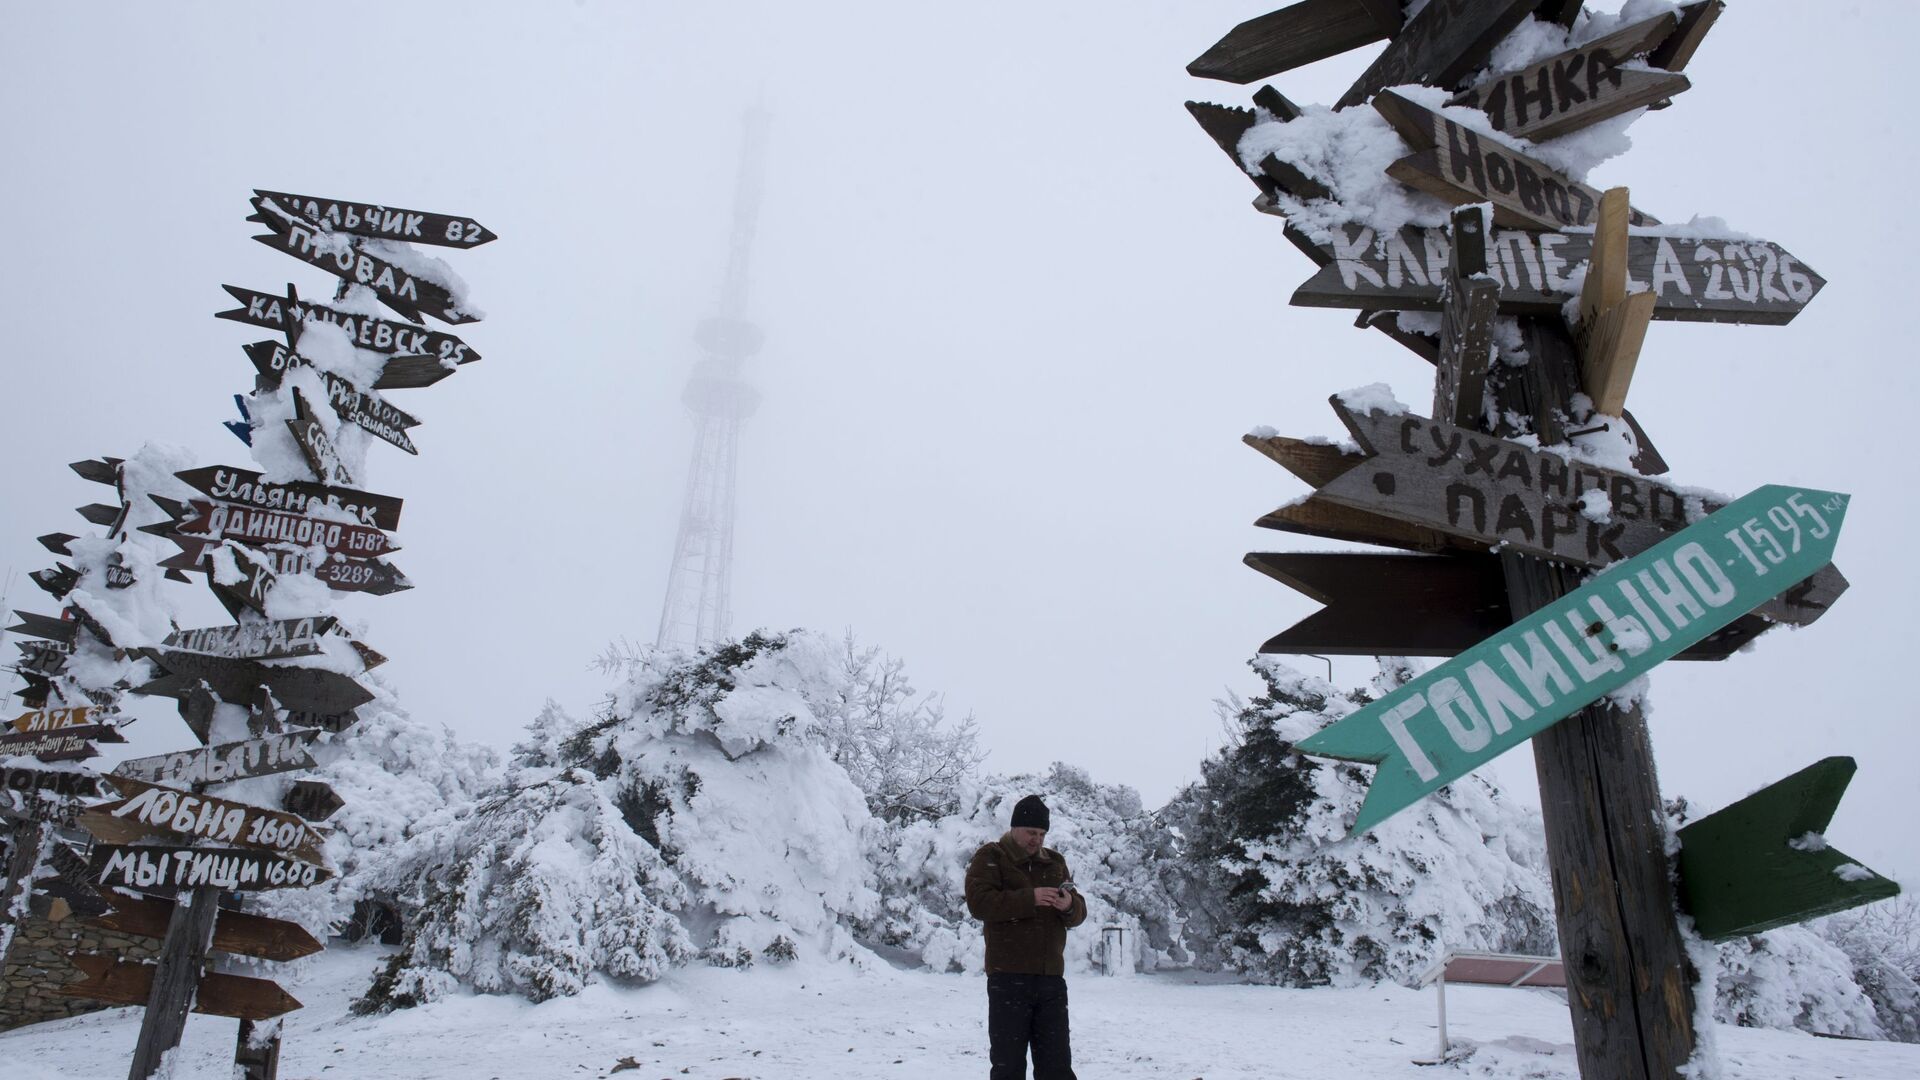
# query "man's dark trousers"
(1028, 1010)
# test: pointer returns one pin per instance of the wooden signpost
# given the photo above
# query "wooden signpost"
(289, 313)
(383, 222)
(155, 810)
(215, 521)
(316, 445)
(284, 752)
(122, 982)
(275, 639)
(1583, 646)
(1578, 274)
(1691, 280)
(307, 688)
(351, 260)
(354, 405)
(66, 744)
(55, 719)
(25, 779)
(167, 869)
(244, 486)
(235, 932)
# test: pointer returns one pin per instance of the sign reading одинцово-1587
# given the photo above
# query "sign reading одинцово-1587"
(1582, 647)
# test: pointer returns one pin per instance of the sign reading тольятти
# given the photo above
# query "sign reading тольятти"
(1583, 646)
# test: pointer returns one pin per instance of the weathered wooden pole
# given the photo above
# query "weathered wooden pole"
(257, 1054)
(28, 846)
(1629, 986)
(189, 934)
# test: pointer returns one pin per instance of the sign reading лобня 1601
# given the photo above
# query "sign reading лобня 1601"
(1584, 646)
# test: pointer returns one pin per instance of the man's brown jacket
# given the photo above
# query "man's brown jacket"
(1022, 939)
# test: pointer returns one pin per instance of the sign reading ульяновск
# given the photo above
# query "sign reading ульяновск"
(1583, 646)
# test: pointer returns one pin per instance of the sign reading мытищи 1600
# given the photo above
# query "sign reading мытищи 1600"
(1582, 647)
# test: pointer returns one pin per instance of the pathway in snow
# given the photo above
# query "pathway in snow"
(812, 1021)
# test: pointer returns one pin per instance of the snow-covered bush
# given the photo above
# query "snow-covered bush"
(1791, 977)
(1273, 887)
(697, 816)
(894, 742)
(1116, 850)
(1882, 940)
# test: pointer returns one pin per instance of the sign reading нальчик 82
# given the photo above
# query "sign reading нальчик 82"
(1587, 644)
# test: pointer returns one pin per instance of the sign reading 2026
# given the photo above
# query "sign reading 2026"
(1584, 646)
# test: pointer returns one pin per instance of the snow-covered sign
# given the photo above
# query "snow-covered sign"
(1580, 87)
(246, 486)
(289, 314)
(1440, 45)
(258, 570)
(354, 405)
(1460, 165)
(269, 640)
(238, 681)
(43, 658)
(316, 445)
(1692, 279)
(164, 869)
(66, 744)
(45, 626)
(227, 761)
(53, 719)
(27, 780)
(384, 222)
(1418, 605)
(1583, 646)
(1496, 493)
(1764, 861)
(125, 982)
(202, 519)
(349, 258)
(149, 810)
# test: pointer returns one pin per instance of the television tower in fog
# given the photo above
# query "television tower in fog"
(698, 609)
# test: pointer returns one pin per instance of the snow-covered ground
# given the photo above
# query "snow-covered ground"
(835, 1021)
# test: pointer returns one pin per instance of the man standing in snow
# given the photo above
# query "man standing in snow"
(1025, 896)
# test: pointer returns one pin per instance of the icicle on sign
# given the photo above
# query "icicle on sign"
(1583, 646)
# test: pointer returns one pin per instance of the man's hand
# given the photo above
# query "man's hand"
(1058, 899)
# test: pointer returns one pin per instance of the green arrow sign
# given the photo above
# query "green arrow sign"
(1587, 644)
(1764, 861)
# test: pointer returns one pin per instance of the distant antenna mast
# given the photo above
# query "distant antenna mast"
(698, 608)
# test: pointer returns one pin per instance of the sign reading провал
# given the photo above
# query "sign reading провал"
(1585, 645)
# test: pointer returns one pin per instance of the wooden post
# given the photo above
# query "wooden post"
(1613, 322)
(257, 1054)
(189, 933)
(28, 848)
(1629, 986)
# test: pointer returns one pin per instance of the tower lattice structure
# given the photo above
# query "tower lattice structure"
(699, 602)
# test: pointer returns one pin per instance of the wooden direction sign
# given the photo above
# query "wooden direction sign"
(164, 869)
(284, 752)
(314, 800)
(1582, 647)
(1495, 493)
(236, 681)
(1692, 280)
(348, 258)
(26, 780)
(55, 719)
(58, 581)
(61, 630)
(1443, 43)
(1295, 35)
(383, 222)
(43, 658)
(156, 810)
(288, 314)
(1462, 166)
(1419, 605)
(1764, 861)
(1580, 87)
(102, 514)
(234, 932)
(105, 470)
(66, 744)
(57, 542)
(362, 407)
(316, 445)
(271, 639)
(259, 573)
(123, 982)
(214, 521)
(247, 487)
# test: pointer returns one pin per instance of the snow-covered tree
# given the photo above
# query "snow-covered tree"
(893, 741)
(1882, 941)
(696, 816)
(1274, 888)
(1791, 977)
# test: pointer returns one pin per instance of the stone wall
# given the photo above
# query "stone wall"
(36, 965)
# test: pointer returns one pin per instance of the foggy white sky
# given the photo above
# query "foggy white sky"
(1018, 312)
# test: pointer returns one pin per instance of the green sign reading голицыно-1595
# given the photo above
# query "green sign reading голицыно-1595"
(1583, 646)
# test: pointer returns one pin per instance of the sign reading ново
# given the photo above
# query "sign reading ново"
(1583, 646)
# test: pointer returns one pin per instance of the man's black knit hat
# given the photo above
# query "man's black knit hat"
(1030, 813)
